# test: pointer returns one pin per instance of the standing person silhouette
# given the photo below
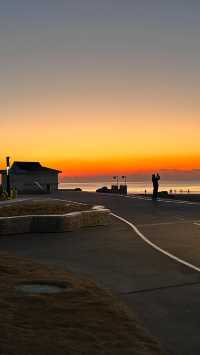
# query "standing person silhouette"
(155, 179)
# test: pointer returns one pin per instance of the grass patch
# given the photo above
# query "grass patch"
(41, 207)
(84, 320)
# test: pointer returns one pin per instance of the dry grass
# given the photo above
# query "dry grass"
(84, 320)
(41, 207)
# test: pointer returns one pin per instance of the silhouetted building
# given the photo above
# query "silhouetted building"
(31, 177)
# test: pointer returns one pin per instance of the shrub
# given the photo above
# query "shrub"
(13, 193)
(4, 196)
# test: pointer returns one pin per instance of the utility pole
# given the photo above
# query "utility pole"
(8, 175)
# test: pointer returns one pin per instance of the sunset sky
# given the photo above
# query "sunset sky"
(100, 87)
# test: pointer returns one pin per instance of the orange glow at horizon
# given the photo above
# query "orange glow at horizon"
(83, 142)
(133, 166)
(120, 166)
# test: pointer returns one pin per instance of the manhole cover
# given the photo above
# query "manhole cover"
(39, 288)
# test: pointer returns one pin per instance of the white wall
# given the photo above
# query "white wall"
(27, 183)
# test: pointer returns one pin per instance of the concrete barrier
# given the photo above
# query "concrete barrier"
(46, 224)
(15, 225)
(97, 216)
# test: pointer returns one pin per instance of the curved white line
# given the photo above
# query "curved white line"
(136, 230)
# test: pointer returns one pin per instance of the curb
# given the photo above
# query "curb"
(97, 216)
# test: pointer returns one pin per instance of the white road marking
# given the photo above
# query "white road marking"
(164, 201)
(171, 256)
(163, 224)
(180, 221)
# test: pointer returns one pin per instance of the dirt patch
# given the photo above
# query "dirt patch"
(41, 207)
(82, 320)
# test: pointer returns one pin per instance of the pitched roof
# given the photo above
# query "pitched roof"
(24, 167)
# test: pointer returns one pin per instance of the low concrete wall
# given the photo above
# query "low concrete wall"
(98, 216)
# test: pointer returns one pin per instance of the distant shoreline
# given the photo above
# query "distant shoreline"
(192, 196)
(177, 187)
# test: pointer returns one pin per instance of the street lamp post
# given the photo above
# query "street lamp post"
(124, 187)
(116, 178)
(115, 188)
(124, 177)
(8, 175)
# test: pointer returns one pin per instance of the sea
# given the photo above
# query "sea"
(138, 187)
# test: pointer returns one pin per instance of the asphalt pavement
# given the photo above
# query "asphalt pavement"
(161, 291)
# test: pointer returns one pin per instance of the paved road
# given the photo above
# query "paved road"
(164, 293)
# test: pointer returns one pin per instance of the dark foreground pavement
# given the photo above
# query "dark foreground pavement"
(163, 293)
